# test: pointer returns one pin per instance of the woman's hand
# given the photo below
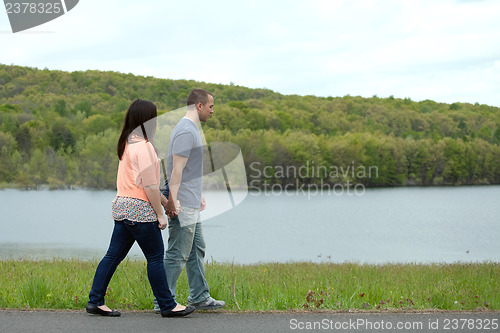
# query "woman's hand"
(162, 222)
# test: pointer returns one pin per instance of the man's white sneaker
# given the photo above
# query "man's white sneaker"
(209, 304)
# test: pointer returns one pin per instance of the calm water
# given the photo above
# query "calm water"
(444, 224)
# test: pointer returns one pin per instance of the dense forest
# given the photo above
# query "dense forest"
(60, 128)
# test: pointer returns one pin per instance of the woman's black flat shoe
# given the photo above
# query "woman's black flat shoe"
(92, 309)
(182, 313)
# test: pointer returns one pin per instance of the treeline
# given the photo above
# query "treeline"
(61, 128)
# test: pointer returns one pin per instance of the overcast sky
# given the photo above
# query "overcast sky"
(444, 50)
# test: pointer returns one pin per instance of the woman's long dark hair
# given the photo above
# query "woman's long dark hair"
(139, 112)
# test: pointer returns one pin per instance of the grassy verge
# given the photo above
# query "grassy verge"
(64, 284)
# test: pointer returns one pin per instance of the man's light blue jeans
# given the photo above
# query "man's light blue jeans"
(186, 247)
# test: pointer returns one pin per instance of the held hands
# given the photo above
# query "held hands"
(171, 208)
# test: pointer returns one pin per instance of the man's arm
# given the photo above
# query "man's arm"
(173, 206)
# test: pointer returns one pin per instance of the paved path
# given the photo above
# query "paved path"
(142, 322)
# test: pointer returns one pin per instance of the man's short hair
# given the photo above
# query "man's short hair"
(198, 95)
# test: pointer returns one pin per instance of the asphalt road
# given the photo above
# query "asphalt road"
(141, 322)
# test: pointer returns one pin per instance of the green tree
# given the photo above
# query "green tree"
(23, 138)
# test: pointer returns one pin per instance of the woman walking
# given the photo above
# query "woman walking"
(137, 212)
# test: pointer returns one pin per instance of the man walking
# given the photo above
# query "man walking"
(186, 246)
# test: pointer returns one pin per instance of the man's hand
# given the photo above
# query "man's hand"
(203, 204)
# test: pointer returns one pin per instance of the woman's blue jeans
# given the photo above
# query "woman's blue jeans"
(148, 236)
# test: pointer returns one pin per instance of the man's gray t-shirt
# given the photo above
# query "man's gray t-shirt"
(185, 140)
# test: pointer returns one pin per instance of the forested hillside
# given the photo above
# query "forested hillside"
(61, 128)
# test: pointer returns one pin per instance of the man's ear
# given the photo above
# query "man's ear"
(199, 105)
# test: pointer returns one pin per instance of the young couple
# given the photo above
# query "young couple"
(138, 209)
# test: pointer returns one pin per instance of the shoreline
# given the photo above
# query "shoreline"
(250, 189)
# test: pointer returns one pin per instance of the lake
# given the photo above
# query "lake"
(390, 225)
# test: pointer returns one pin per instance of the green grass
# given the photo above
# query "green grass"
(65, 284)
